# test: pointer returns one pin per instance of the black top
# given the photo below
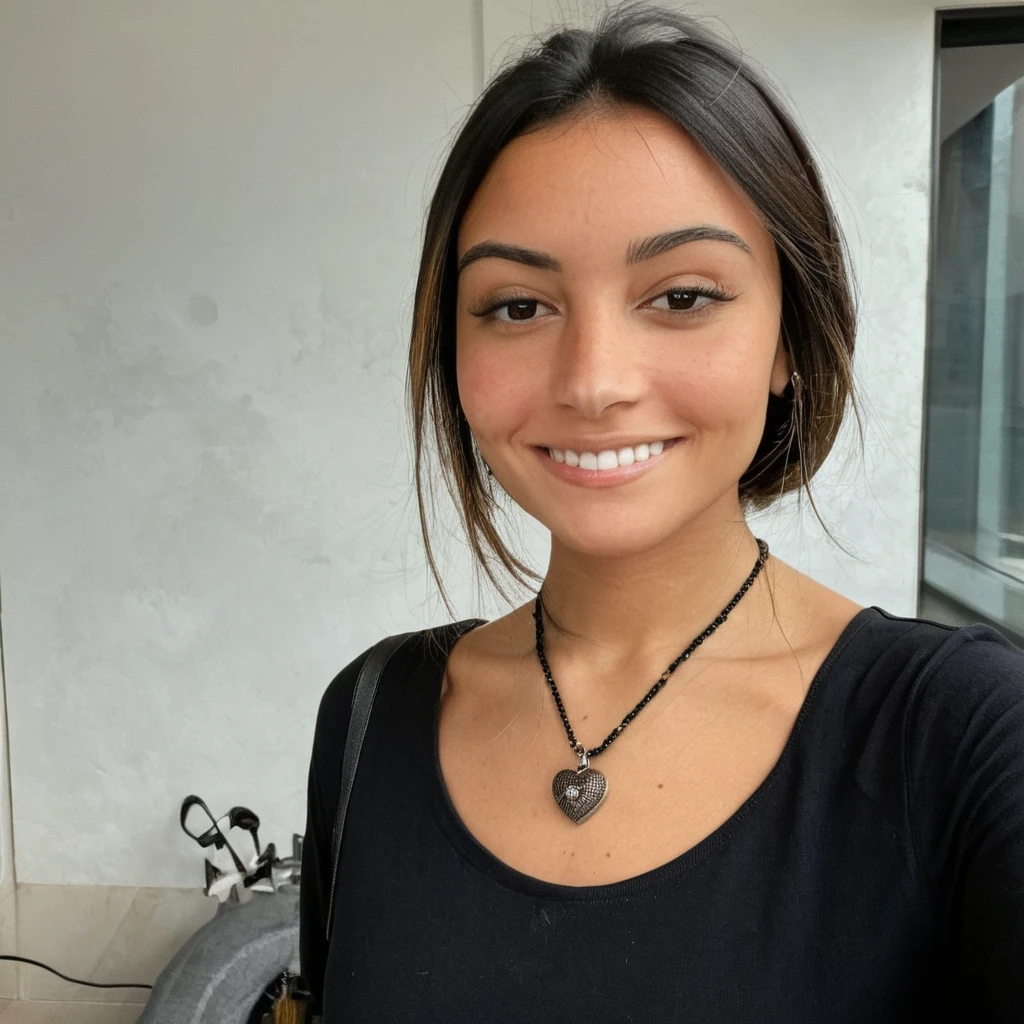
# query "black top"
(876, 875)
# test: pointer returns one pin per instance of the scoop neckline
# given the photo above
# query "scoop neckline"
(482, 859)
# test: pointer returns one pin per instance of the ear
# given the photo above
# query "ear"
(782, 370)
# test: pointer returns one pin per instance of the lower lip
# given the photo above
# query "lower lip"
(603, 477)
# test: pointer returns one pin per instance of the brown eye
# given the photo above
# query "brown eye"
(520, 309)
(681, 299)
(690, 300)
(511, 309)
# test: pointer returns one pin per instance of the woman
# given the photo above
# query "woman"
(686, 782)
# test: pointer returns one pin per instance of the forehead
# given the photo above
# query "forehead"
(603, 178)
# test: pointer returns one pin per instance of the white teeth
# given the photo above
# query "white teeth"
(609, 458)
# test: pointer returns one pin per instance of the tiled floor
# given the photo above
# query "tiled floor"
(17, 1012)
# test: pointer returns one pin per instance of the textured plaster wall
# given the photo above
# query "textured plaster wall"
(208, 221)
(208, 224)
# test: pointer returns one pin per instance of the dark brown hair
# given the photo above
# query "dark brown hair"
(670, 63)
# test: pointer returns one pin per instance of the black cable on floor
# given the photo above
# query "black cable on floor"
(76, 981)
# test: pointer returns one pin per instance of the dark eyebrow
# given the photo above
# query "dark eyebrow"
(648, 248)
(503, 251)
(637, 252)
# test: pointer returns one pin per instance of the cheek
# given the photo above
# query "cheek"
(721, 397)
(496, 392)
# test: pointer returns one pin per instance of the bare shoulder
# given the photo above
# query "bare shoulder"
(810, 617)
(493, 652)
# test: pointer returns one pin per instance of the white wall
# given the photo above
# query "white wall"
(208, 224)
(207, 233)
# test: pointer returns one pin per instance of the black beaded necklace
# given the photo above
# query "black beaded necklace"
(580, 791)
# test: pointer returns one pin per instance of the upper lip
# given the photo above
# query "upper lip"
(601, 444)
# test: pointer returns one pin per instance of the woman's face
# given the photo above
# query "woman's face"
(596, 316)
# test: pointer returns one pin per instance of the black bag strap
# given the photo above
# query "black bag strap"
(362, 703)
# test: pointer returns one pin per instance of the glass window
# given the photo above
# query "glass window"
(973, 557)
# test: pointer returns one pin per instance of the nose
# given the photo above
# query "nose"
(599, 363)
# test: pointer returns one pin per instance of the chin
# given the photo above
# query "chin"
(606, 536)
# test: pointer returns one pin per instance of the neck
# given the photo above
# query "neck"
(642, 606)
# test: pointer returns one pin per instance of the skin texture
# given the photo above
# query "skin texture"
(608, 349)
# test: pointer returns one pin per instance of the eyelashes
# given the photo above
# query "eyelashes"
(523, 308)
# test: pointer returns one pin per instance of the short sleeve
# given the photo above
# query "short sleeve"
(323, 789)
(965, 778)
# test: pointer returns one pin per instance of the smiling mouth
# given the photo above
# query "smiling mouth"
(610, 458)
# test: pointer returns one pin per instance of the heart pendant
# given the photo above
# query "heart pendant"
(579, 792)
